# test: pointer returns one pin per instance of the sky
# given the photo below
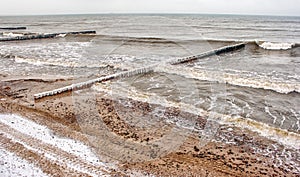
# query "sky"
(251, 7)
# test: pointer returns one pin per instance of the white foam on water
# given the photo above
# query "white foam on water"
(267, 110)
(233, 79)
(282, 136)
(152, 98)
(65, 54)
(297, 115)
(68, 54)
(38, 62)
(283, 119)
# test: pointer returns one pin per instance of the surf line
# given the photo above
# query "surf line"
(42, 36)
(137, 71)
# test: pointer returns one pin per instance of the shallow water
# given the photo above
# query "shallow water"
(254, 83)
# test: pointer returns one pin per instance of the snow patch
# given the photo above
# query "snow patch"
(45, 135)
(12, 165)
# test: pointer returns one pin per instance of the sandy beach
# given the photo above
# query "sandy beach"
(61, 135)
(149, 95)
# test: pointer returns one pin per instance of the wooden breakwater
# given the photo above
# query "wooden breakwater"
(78, 32)
(89, 83)
(218, 51)
(43, 36)
(14, 28)
(136, 71)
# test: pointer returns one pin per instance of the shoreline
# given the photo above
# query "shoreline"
(230, 154)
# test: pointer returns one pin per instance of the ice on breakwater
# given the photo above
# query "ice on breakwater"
(218, 51)
(142, 70)
(42, 36)
(276, 46)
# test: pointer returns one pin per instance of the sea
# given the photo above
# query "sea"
(256, 87)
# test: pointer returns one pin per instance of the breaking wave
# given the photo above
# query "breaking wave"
(283, 136)
(280, 135)
(268, 45)
(259, 82)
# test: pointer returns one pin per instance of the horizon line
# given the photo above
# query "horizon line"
(147, 13)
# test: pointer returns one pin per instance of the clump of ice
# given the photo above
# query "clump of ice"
(61, 35)
(276, 46)
(10, 34)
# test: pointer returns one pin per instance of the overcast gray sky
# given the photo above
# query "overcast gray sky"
(261, 7)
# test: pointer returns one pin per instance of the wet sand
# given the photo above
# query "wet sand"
(106, 126)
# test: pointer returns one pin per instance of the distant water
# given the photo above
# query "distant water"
(260, 82)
